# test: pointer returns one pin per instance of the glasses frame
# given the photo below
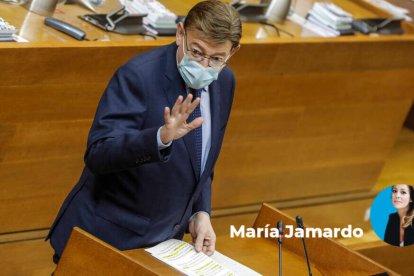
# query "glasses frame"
(203, 57)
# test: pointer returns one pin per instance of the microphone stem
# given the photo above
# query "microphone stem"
(280, 259)
(306, 254)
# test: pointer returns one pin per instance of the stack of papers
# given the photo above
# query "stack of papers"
(183, 257)
(158, 16)
(7, 31)
(396, 11)
(331, 18)
(12, 1)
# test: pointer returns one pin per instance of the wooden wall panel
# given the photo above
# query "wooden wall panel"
(334, 214)
(32, 258)
(27, 142)
(318, 89)
(32, 192)
(49, 102)
(291, 184)
(309, 119)
(399, 165)
(396, 258)
(327, 149)
(339, 214)
(63, 64)
(306, 122)
(332, 55)
(222, 224)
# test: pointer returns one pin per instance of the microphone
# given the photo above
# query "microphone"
(280, 238)
(280, 229)
(299, 223)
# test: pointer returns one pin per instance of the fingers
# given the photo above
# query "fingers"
(204, 238)
(197, 122)
(166, 115)
(186, 104)
(176, 118)
(198, 244)
(177, 106)
(185, 108)
(209, 246)
(193, 105)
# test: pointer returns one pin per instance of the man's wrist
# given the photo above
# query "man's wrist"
(163, 134)
(161, 144)
(199, 212)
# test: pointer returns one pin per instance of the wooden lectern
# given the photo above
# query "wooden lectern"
(86, 255)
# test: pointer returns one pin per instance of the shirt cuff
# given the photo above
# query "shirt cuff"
(191, 218)
(161, 145)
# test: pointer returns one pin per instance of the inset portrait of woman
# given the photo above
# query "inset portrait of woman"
(400, 229)
(392, 214)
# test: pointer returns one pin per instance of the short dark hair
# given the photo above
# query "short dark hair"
(217, 20)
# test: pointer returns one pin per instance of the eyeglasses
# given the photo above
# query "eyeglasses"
(196, 55)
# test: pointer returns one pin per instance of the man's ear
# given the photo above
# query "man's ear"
(234, 50)
(179, 34)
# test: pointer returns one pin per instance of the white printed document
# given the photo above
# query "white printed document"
(183, 257)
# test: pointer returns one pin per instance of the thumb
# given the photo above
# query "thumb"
(199, 242)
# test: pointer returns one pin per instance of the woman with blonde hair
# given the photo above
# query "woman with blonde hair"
(400, 229)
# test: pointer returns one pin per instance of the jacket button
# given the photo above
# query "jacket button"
(177, 227)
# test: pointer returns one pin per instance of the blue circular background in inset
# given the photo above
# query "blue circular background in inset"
(381, 208)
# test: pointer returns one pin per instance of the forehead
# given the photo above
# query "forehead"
(401, 187)
(198, 39)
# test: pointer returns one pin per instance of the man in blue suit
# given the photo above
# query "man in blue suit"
(149, 167)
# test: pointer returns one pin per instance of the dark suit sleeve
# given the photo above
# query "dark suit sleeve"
(203, 203)
(117, 140)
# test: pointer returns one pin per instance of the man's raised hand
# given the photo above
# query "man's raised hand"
(175, 121)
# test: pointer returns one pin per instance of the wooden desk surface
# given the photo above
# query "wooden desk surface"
(260, 255)
(31, 25)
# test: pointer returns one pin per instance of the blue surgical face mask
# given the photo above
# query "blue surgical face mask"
(196, 75)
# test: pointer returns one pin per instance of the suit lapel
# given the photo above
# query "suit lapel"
(173, 88)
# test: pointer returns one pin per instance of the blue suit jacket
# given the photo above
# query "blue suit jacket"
(130, 194)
